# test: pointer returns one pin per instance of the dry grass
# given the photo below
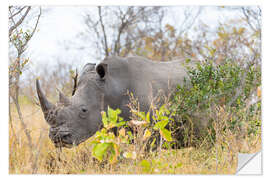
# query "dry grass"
(220, 159)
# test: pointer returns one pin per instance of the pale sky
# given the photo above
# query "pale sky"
(62, 23)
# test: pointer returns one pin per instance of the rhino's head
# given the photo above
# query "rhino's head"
(75, 119)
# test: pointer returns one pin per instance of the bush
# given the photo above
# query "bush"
(133, 138)
(228, 85)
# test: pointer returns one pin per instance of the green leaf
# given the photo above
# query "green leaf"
(161, 124)
(146, 134)
(153, 143)
(179, 165)
(140, 114)
(105, 119)
(145, 165)
(188, 60)
(166, 134)
(148, 117)
(114, 153)
(112, 115)
(120, 124)
(99, 150)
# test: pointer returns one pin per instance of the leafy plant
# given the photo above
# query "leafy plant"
(106, 145)
(162, 119)
(227, 85)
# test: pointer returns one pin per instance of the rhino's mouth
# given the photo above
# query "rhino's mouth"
(67, 141)
(64, 142)
(61, 144)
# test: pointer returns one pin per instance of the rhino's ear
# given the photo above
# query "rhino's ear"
(102, 70)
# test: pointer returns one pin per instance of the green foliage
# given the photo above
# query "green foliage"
(227, 85)
(146, 166)
(161, 119)
(112, 120)
(209, 84)
(106, 146)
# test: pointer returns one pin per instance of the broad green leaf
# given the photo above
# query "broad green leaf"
(166, 134)
(100, 149)
(112, 115)
(120, 124)
(161, 124)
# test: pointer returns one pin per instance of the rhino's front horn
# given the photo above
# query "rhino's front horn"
(44, 103)
(63, 99)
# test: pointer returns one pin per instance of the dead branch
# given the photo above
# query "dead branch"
(104, 33)
(19, 22)
(18, 12)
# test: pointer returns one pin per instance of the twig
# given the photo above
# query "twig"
(75, 82)
(103, 30)
(13, 15)
(39, 146)
(11, 29)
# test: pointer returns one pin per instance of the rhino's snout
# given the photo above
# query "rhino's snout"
(61, 138)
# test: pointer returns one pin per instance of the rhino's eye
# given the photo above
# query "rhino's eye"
(83, 112)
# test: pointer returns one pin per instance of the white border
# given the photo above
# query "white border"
(4, 88)
(136, 2)
(4, 73)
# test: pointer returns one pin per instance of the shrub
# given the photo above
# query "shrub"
(227, 85)
(106, 145)
(134, 137)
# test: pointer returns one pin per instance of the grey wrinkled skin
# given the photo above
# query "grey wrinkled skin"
(105, 84)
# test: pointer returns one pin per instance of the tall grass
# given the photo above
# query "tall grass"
(218, 159)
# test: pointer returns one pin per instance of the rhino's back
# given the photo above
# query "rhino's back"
(146, 74)
(147, 78)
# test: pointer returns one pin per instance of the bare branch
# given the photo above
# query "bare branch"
(11, 29)
(248, 19)
(104, 33)
(18, 12)
(33, 31)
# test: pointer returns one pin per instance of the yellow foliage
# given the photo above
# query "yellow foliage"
(146, 135)
(241, 30)
(170, 27)
(259, 92)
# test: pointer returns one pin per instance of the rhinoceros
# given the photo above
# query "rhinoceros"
(75, 119)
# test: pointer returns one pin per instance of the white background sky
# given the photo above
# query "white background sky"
(69, 27)
(63, 23)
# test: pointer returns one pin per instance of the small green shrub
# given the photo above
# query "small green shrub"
(106, 145)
